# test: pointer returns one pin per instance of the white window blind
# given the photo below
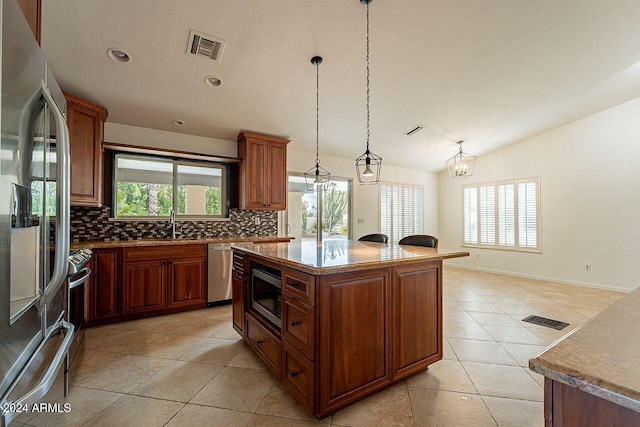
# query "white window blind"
(401, 210)
(502, 215)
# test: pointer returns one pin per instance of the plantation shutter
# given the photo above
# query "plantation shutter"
(506, 215)
(487, 215)
(385, 209)
(401, 210)
(527, 215)
(470, 215)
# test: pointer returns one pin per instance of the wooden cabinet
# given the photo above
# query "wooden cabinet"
(299, 325)
(354, 320)
(144, 286)
(566, 406)
(129, 283)
(32, 10)
(238, 293)
(86, 131)
(104, 285)
(187, 282)
(263, 172)
(299, 376)
(417, 318)
(265, 343)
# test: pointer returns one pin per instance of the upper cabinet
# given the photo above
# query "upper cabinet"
(86, 131)
(263, 172)
(32, 10)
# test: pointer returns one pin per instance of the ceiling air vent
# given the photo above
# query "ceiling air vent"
(415, 130)
(205, 45)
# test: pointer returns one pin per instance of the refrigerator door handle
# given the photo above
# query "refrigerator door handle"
(44, 385)
(62, 208)
(86, 272)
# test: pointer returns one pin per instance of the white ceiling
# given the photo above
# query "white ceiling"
(492, 72)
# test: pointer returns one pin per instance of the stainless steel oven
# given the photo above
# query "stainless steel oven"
(266, 293)
(77, 280)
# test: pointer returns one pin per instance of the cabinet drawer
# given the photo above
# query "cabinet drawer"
(300, 285)
(298, 326)
(266, 344)
(148, 253)
(299, 376)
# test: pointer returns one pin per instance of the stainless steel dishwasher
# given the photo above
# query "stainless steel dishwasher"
(219, 266)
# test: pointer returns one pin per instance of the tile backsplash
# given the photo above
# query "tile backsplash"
(94, 224)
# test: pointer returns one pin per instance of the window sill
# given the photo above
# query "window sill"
(166, 219)
(505, 249)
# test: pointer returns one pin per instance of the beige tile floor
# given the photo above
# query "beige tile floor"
(190, 369)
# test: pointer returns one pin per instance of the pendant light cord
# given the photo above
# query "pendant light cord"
(317, 114)
(368, 97)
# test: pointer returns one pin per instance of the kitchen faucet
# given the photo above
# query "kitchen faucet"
(172, 221)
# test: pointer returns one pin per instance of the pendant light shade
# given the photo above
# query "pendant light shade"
(461, 165)
(368, 164)
(317, 176)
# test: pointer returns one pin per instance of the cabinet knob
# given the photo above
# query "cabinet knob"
(294, 324)
(294, 284)
(294, 374)
(260, 342)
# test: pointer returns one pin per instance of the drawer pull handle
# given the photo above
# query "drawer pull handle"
(294, 284)
(294, 324)
(294, 374)
(260, 342)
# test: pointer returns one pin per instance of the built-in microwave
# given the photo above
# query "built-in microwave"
(266, 293)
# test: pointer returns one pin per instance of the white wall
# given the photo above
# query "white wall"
(365, 197)
(590, 201)
(134, 135)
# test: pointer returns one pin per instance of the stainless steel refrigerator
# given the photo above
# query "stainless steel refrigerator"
(34, 220)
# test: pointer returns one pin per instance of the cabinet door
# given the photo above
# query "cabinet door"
(85, 123)
(187, 282)
(255, 169)
(417, 318)
(277, 176)
(32, 10)
(145, 285)
(104, 284)
(354, 322)
(237, 289)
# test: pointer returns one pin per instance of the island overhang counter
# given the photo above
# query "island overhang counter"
(343, 319)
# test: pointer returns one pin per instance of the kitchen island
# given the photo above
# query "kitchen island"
(339, 320)
(592, 375)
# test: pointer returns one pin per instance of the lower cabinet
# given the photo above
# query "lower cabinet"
(265, 343)
(127, 283)
(145, 286)
(237, 291)
(104, 293)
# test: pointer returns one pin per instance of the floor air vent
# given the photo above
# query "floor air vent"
(205, 45)
(543, 321)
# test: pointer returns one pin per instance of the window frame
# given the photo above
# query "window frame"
(402, 187)
(496, 223)
(175, 162)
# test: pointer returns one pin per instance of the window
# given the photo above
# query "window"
(151, 186)
(503, 215)
(401, 210)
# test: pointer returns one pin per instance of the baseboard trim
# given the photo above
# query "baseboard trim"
(533, 276)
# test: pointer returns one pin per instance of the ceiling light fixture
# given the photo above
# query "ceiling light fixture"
(213, 81)
(317, 176)
(118, 55)
(368, 164)
(461, 165)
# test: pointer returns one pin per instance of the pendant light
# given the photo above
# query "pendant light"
(368, 164)
(317, 176)
(461, 165)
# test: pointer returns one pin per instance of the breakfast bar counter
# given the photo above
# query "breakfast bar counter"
(339, 320)
(593, 374)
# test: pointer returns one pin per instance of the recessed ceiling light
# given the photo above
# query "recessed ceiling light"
(178, 122)
(213, 81)
(118, 55)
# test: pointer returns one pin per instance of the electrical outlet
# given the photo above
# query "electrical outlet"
(587, 267)
(257, 221)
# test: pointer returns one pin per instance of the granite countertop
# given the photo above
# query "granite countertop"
(602, 357)
(336, 256)
(96, 244)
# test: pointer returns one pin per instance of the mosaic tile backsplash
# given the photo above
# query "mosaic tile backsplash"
(94, 224)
